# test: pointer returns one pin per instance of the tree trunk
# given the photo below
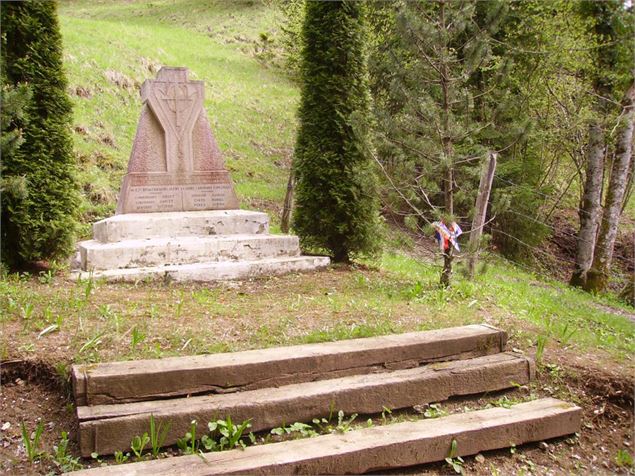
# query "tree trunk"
(448, 151)
(591, 205)
(288, 203)
(484, 188)
(598, 275)
(446, 275)
(628, 293)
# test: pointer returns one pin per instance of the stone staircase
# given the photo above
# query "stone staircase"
(190, 246)
(279, 386)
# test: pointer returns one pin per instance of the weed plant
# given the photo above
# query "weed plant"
(61, 457)
(31, 441)
(158, 434)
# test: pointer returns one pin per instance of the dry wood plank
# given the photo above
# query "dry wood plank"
(377, 448)
(105, 429)
(132, 381)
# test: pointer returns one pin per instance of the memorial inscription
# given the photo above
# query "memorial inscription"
(175, 164)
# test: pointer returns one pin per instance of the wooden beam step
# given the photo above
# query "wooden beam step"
(105, 429)
(377, 448)
(140, 380)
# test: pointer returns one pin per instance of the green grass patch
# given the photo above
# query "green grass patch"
(91, 321)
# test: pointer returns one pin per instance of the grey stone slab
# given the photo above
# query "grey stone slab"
(120, 382)
(378, 448)
(96, 256)
(105, 429)
(210, 271)
(135, 226)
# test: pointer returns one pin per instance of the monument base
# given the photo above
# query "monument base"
(190, 246)
(223, 270)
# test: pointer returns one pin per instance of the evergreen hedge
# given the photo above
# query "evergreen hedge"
(336, 197)
(41, 223)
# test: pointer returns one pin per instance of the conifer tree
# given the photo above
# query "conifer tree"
(14, 100)
(38, 224)
(336, 206)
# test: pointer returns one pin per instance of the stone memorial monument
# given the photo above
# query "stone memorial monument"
(178, 216)
(175, 163)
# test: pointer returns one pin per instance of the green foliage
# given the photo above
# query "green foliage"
(343, 424)
(14, 101)
(336, 207)
(138, 444)
(436, 82)
(189, 444)
(40, 224)
(306, 431)
(613, 27)
(541, 342)
(229, 435)
(65, 461)
(158, 433)
(518, 229)
(452, 80)
(31, 442)
(623, 458)
(121, 457)
(137, 336)
(292, 41)
(434, 410)
(454, 461)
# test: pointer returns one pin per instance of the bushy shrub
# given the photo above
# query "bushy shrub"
(336, 204)
(39, 223)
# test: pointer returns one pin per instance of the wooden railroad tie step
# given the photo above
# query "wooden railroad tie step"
(377, 448)
(134, 381)
(105, 429)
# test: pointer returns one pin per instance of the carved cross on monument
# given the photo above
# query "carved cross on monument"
(175, 164)
(178, 101)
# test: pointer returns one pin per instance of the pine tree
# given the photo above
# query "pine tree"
(336, 206)
(39, 224)
(14, 100)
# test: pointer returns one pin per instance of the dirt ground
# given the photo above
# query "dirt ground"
(33, 392)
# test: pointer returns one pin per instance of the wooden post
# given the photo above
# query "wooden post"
(446, 274)
(288, 201)
(485, 186)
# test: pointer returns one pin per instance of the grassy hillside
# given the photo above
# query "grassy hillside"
(112, 47)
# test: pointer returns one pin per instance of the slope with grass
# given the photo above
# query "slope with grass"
(112, 47)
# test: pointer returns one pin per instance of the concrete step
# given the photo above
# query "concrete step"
(139, 380)
(210, 271)
(137, 226)
(377, 448)
(105, 429)
(96, 255)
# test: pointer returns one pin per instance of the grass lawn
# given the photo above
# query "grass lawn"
(90, 321)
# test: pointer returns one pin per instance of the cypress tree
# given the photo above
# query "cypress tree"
(39, 224)
(336, 204)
